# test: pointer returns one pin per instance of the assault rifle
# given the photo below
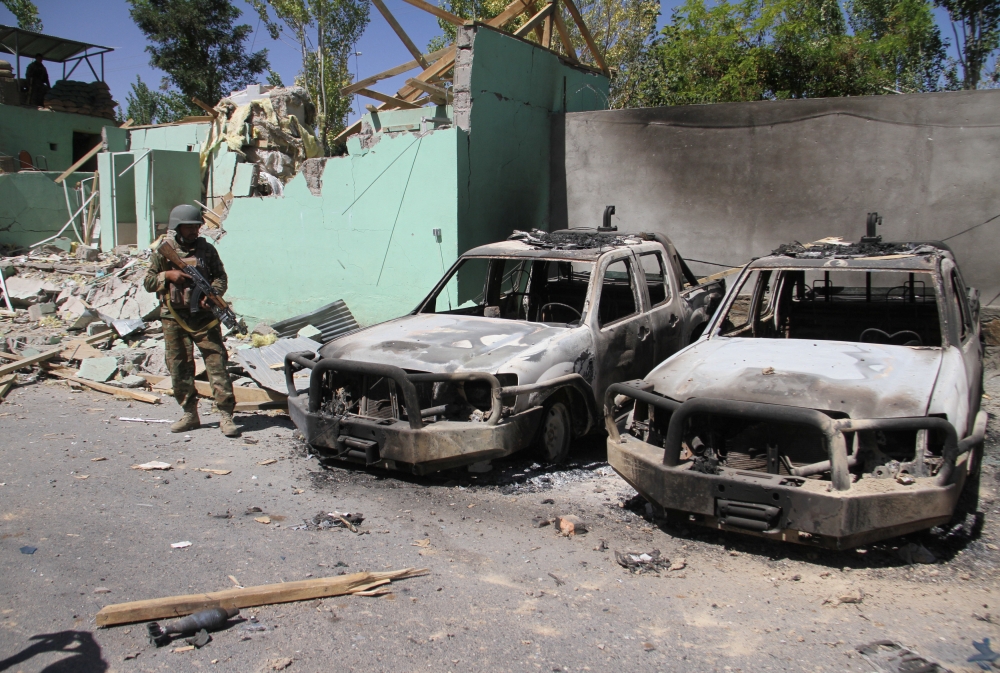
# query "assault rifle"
(202, 287)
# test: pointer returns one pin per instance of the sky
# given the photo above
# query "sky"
(107, 23)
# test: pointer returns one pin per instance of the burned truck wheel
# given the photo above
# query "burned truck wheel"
(555, 433)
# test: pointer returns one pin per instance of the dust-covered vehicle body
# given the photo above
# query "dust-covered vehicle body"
(513, 346)
(834, 400)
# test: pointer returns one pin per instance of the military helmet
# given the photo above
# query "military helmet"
(184, 214)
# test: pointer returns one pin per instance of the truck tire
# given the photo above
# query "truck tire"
(555, 433)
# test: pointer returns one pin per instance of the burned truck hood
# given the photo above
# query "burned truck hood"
(431, 342)
(861, 380)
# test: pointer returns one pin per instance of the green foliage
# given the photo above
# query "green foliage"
(976, 26)
(145, 106)
(274, 79)
(200, 47)
(777, 49)
(622, 29)
(326, 32)
(26, 14)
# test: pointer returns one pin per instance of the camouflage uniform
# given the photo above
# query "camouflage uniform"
(182, 330)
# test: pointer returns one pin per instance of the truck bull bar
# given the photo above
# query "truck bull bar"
(831, 429)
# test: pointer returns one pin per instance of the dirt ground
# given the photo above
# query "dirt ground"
(500, 594)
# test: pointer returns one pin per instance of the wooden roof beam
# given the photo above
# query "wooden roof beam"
(535, 21)
(564, 35)
(392, 72)
(412, 48)
(591, 45)
(438, 12)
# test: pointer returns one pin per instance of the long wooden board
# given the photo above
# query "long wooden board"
(267, 594)
(588, 38)
(27, 362)
(437, 11)
(6, 383)
(385, 98)
(86, 157)
(400, 33)
(70, 374)
(391, 72)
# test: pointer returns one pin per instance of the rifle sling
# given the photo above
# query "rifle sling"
(184, 325)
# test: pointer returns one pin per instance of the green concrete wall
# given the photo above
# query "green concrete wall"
(33, 206)
(118, 226)
(163, 179)
(176, 137)
(292, 254)
(504, 104)
(34, 130)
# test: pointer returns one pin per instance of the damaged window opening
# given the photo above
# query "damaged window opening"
(888, 307)
(535, 290)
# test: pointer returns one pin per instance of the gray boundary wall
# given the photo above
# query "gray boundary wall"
(731, 181)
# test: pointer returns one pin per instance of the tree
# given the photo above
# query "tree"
(979, 21)
(145, 106)
(776, 49)
(198, 45)
(622, 29)
(26, 14)
(327, 32)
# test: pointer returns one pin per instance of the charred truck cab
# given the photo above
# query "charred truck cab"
(834, 400)
(514, 346)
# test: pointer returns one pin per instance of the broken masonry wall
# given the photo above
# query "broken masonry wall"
(366, 237)
(33, 206)
(46, 135)
(731, 181)
(506, 91)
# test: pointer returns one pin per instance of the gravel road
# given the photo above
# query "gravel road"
(500, 594)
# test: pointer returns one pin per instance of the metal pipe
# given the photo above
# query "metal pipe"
(840, 476)
(920, 423)
(301, 358)
(631, 389)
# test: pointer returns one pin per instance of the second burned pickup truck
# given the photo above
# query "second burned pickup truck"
(513, 347)
(833, 401)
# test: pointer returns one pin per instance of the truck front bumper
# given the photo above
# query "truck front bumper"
(837, 514)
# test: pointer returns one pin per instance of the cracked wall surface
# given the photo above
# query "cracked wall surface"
(33, 207)
(731, 181)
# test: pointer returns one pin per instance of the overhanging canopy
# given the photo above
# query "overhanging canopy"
(57, 49)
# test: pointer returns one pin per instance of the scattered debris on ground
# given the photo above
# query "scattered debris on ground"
(202, 621)
(887, 656)
(642, 562)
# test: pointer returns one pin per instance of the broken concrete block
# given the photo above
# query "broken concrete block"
(309, 332)
(122, 250)
(65, 295)
(149, 305)
(62, 244)
(126, 327)
(98, 369)
(84, 320)
(263, 329)
(38, 311)
(132, 381)
(87, 253)
(72, 308)
(25, 291)
(97, 327)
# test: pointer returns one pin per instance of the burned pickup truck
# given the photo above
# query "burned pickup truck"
(834, 400)
(513, 347)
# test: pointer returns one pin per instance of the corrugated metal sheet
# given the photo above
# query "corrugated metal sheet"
(332, 320)
(258, 361)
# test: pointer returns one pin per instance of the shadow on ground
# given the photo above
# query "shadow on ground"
(85, 653)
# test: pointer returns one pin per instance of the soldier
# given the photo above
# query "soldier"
(183, 329)
(38, 81)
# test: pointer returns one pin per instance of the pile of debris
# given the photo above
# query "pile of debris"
(86, 98)
(88, 310)
(269, 127)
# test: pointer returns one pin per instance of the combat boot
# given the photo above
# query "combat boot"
(189, 421)
(227, 425)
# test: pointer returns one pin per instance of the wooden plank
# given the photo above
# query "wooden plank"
(204, 106)
(6, 383)
(438, 12)
(547, 29)
(564, 35)
(247, 597)
(243, 395)
(70, 374)
(442, 95)
(21, 363)
(400, 33)
(594, 51)
(86, 157)
(349, 131)
(385, 98)
(78, 350)
(440, 67)
(721, 274)
(391, 72)
(512, 11)
(534, 21)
